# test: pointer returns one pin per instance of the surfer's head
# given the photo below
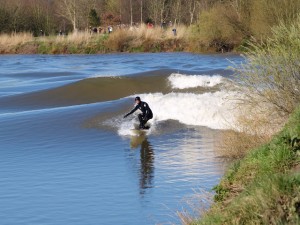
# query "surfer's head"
(137, 99)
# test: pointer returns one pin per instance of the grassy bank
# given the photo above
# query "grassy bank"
(263, 184)
(263, 187)
(126, 40)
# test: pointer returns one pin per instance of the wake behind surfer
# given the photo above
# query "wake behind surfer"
(146, 112)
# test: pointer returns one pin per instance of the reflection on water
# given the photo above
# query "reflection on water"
(147, 166)
(146, 170)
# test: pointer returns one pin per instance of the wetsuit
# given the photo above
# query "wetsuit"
(145, 115)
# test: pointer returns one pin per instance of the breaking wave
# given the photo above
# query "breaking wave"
(213, 110)
(181, 81)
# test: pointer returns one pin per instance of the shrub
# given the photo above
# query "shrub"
(271, 75)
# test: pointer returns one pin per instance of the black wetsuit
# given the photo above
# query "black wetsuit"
(146, 113)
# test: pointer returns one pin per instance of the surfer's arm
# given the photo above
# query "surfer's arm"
(132, 111)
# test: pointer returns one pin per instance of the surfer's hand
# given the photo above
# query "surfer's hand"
(125, 116)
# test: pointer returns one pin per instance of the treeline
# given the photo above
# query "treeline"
(51, 16)
(216, 25)
(227, 24)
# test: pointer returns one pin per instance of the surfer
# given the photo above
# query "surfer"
(146, 112)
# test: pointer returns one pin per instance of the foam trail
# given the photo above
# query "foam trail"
(181, 81)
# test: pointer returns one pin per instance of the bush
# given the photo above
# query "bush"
(269, 87)
(213, 30)
(271, 75)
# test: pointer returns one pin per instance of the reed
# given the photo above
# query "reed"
(148, 39)
(15, 39)
(9, 42)
(253, 127)
(135, 39)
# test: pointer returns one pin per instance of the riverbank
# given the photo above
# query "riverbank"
(264, 186)
(139, 39)
(135, 40)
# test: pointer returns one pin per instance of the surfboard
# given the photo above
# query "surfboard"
(140, 131)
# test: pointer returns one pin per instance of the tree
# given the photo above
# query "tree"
(158, 10)
(176, 11)
(131, 15)
(69, 10)
(94, 19)
(193, 7)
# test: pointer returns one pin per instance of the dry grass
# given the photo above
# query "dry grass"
(135, 39)
(269, 82)
(143, 38)
(78, 37)
(157, 33)
(74, 38)
(196, 206)
(254, 126)
(14, 39)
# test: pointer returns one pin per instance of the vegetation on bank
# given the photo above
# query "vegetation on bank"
(268, 88)
(213, 25)
(139, 39)
(263, 185)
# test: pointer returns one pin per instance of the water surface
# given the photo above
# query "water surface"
(68, 157)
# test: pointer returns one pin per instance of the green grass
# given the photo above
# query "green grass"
(263, 187)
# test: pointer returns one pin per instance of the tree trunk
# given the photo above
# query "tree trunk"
(141, 12)
(131, 18)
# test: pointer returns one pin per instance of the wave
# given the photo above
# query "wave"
(213, 110)
(107, 88)
(181, 81)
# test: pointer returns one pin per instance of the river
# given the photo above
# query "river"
(67, 156)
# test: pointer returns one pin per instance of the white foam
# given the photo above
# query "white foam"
(181, 81)
(126, 127)
(105, 76)
(213, 110)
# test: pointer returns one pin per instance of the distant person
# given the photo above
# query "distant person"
(110, 29)
(149, 25)
(174, 32)
(145, 115)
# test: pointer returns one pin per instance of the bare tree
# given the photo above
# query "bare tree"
(69, 10)
(176, 11)
(193, 8)
(141, 11)
(76, 11)
(158, 10)
(131, 16)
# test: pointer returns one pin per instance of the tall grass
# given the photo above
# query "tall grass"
(139, 39)
(263, 187)
(145, 39)
(252, 127)
(15, 39)
(8, 42)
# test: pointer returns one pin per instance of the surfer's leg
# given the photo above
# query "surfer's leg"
(141, 119)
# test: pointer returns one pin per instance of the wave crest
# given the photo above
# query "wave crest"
(181, 81)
